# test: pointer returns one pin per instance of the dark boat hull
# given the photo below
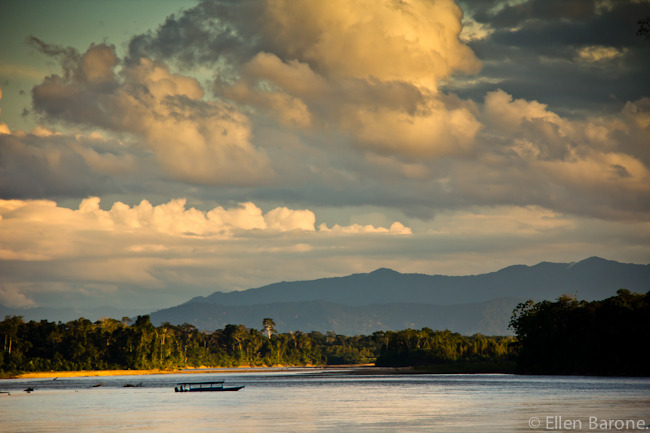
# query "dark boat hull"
(230, 388)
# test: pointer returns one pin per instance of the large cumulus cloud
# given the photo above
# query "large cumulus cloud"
(193, 139)
(340, 103)
(352, 65)
(595, 167)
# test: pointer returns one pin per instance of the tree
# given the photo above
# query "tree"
(268, 327)
(578, 337)
(9, 331)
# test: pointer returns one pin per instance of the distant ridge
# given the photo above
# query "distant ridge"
(592, 278)
(385, 299)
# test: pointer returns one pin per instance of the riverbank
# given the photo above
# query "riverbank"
(353, 369)
(192, 370)
(87, 373)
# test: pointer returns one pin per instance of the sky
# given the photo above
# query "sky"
(154, 151)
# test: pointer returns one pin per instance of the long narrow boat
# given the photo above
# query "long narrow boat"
(205, 386)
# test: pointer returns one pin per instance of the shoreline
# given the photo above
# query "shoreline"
(348, 369)
(86, 373)
(188, 370)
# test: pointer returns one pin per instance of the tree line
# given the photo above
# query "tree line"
(565, 336)
(446, 351)
(111, 344)
(568, 336)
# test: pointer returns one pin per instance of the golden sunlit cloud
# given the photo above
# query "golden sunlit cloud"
(596, 53)
(192, 139)
(172, 219)
(415, 41)
(370, 67)
(127, 245)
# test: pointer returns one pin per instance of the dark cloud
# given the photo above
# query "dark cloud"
(69, 57)
(206, 33)
(34, 166)
(93, 68)
(534, 53)
(502, 14)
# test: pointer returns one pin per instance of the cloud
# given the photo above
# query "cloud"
(396, 228)
(595, 53)
(174, 219)
(284, 219)
(86, 251)
(144, 219)
(598, 162)
(512, 15)
(504, 113)
(12, 297)
(383, 117)
(525, 154)
(160, 255)
(194, 140)
(435, 130)
(45, 162)
(530, 53)
(307, 139)
(415, 42)
(351, 66)
(439, 151)
(496, 221)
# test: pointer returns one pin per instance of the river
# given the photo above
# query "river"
(298, 400)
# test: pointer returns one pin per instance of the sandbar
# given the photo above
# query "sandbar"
(199, 370)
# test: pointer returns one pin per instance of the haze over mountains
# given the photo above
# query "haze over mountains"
(388, 300)
(593, 278)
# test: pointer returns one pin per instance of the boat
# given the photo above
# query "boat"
(205, 386)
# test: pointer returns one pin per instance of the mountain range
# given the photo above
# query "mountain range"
(388, 300)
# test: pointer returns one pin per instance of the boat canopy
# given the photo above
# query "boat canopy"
(201, 383)
(214, 385)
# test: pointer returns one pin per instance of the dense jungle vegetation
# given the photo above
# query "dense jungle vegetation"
(577, 337)
(566, 336)
(447, 352)
(113, 344)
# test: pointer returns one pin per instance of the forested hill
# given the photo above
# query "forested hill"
(589, 279)
(388, 300)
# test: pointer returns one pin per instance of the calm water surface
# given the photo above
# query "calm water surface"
(327, 401)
